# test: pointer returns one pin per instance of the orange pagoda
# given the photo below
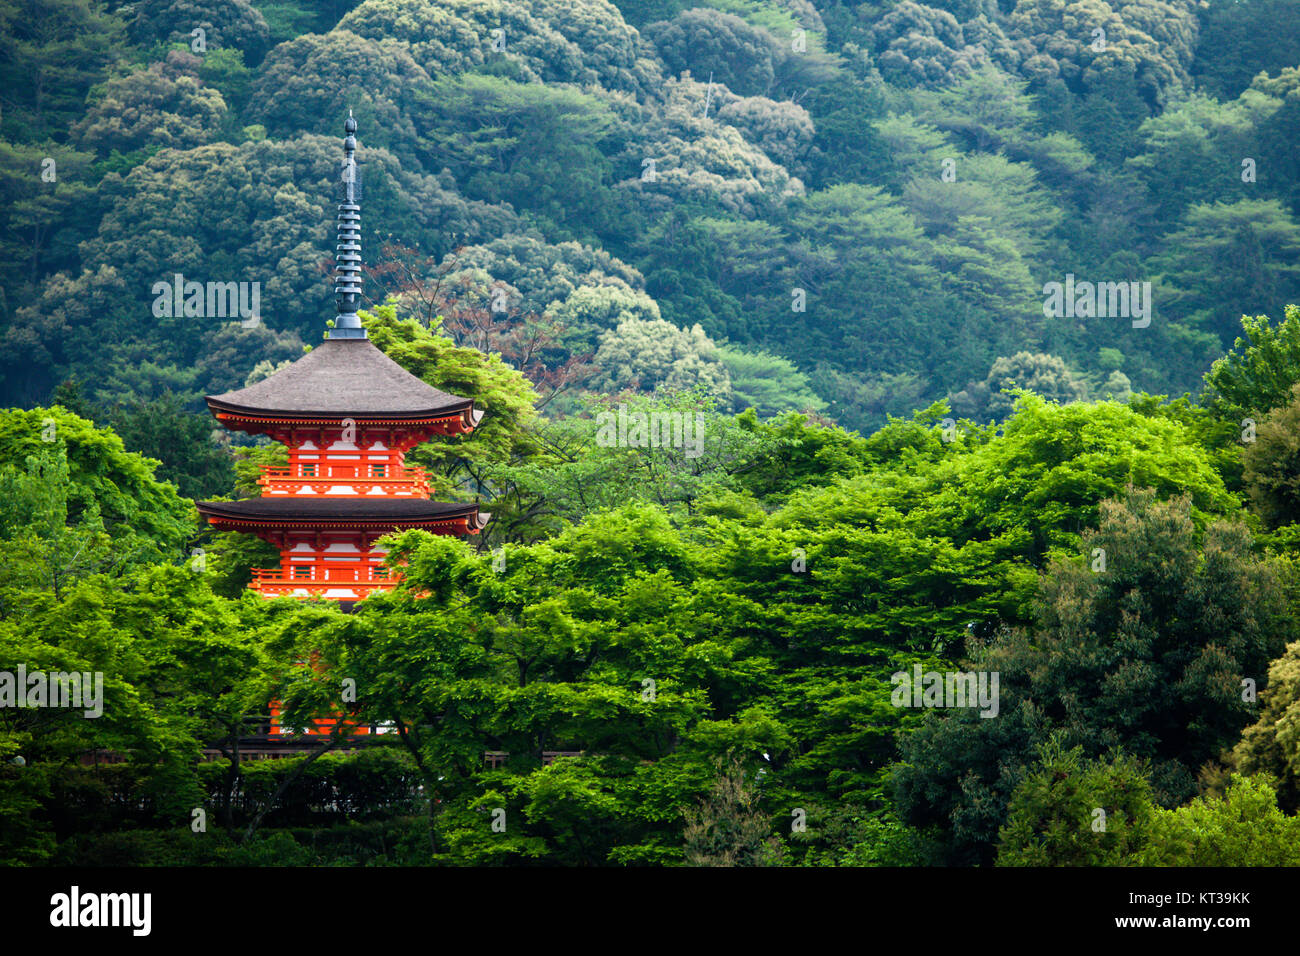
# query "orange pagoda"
(348, 414)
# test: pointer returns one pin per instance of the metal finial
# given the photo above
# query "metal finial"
(347, 276)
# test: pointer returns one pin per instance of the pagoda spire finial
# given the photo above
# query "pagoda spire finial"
(347, 275)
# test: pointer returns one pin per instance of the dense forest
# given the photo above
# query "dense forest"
(987, 310)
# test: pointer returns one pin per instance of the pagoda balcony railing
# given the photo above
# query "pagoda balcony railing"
(361, 579)
(319, 481)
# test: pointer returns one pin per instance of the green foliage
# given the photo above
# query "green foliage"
(857, 839)
(1054, 821)
(1068, 811)
(579, 127)
(369, 784)
(52, 52)
(503, 394)
(767, 383)
(596, 461)
(1144, 652)
(1257, 375)
(1240, 40)
(230, 24)
(711, 43)
(163, 105)
(1244, 827)
(44, 219)
(182, 441)
(1270, 745)
(180, 669)
(1044, 375)
(584, 43)
(1153, 39)
(101, 481)
(1271, 465)
(1187, 147)
(1247, 249)
(40, 548)
(318, 78)
(916, 45)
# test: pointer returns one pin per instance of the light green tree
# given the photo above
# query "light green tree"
(767, 383)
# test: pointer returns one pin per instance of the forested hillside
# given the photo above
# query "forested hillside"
(858, 205)
(987, 310)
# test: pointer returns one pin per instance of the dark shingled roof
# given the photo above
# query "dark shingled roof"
(343, 377)
(325, 510)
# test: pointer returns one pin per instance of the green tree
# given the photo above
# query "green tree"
(164, 105)
(52, 52)
(145, 517)
(1154, 39)
(543, 649)
(41, 549)
(47, 219)
(585, 43)
(203, 212)
(308, 82)
(232, 24)
(182, 441)
(1045, 375)
(1186, 149)
(534, 146)
(712, 43)
(1229, 259)
(1271, 465)
(920, 46)
(1239, 41)
(1068, 811)
(1140, 646)
(1270, 745)
(1244, 827)
(590, 463)
(499, 390)
(1256, 376)
(767, 383)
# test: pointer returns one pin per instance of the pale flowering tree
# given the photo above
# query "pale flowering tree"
(309, 81)
(654, 354)
(1156, 39)
(229, 24)
(698, 157)
(584, 41)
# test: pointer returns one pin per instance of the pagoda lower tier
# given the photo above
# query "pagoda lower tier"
(328, 549)
(328, 545)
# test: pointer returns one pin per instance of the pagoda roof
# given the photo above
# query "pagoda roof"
(327, 512)
(344, 378)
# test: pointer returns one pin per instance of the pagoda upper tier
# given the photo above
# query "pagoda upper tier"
(344, 378)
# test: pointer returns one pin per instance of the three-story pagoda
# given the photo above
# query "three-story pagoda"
(348, 414)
